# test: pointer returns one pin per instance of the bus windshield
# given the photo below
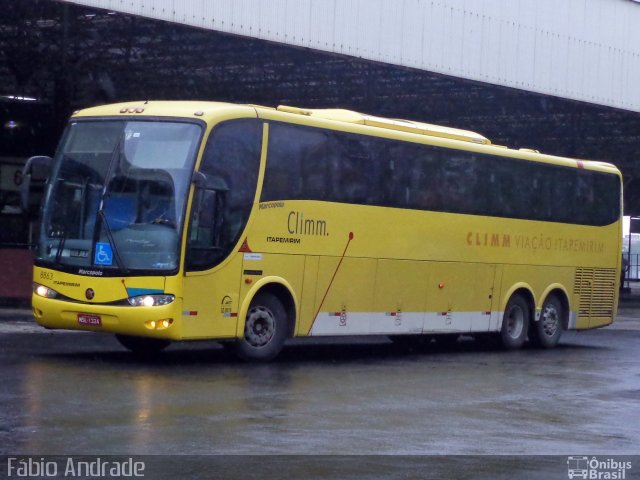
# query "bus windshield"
(117, 196)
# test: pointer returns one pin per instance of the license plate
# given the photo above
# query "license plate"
(91, 320)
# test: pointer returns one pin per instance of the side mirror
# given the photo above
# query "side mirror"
(209, 182)
(34, 178)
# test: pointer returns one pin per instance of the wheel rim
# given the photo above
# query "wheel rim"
(550, 320)
(260, 327)
(515, 322)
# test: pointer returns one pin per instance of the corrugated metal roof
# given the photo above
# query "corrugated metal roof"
(586, 50)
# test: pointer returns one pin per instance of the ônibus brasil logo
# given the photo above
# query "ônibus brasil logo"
(597, 468)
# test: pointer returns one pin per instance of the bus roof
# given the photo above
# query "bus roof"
(410, 126)
(166, 108)
(217, 111)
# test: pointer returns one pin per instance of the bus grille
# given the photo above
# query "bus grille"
(596, 288)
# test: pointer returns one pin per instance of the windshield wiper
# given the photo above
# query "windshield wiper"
(63, 239)
(113, 166)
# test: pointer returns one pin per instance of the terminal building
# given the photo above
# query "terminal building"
(558, 77)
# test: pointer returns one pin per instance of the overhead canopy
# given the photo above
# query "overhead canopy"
(587, 50)
(59, 57)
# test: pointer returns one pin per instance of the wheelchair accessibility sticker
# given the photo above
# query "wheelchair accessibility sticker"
(104, 254)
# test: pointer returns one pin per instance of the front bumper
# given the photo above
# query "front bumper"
(157, 322)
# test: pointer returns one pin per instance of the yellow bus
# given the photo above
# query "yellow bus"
(169, 221)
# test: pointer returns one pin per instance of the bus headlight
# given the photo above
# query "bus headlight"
(151, 300)
(43, 291)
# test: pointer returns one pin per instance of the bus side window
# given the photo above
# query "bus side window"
(351, 179)
(358, 170)
(202, 234)
(429, 166)
(316, 182)
(221, 208)
(299, 164)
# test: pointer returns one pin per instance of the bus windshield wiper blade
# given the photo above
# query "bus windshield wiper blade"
(63, 239)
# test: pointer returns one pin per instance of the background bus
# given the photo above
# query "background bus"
(185, 220)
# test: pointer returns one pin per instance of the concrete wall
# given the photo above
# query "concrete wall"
(587, 50)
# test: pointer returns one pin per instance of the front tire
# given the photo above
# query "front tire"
(515, 323)
(546, 332)
(265, 330)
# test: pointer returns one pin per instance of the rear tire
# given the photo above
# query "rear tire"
(143, 346)
(265, 330)
(546, 332)
(515, 323)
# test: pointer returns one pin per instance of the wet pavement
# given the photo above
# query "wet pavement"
(71, 393)
(78, 393)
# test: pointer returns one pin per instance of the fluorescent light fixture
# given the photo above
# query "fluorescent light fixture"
(20, 98)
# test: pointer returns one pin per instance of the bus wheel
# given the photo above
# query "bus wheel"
(515, 323)
(546, 332)
(143, 345)
(265, 329)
